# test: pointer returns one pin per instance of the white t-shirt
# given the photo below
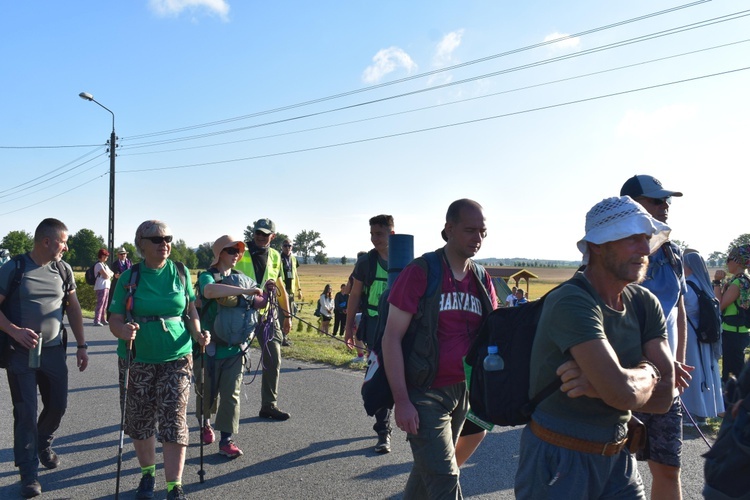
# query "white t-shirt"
(102, 283)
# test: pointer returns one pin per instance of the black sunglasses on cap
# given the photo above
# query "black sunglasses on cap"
(231, 250)
(158, 240)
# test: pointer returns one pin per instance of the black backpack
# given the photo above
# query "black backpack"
(502, 397)
(90, 275)
(708, 328)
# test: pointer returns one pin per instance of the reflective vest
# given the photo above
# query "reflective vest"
(375, 283)
(273, 267)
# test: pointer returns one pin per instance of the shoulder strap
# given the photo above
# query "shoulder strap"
(372, 269)
(434, 271)
(15, 281)
(67, 286)
(183, 279)
(135, 275)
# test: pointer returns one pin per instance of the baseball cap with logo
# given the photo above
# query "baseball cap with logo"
(645, 185)
(265, 226)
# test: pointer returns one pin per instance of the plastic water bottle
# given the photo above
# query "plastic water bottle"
(493, 362)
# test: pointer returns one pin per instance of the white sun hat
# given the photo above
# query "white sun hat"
(616, 218)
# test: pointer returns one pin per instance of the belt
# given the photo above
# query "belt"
(575, 444)
(148, 319)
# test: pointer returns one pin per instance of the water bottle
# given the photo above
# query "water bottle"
(35, 353)
(493, 362)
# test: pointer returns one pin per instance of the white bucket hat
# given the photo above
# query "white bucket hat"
(615, 218)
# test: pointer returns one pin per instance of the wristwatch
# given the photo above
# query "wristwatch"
(84, 346)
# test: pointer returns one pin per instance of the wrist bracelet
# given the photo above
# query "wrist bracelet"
(657, 373)
(716, 282)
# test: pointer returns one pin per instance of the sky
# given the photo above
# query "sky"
(319, 115)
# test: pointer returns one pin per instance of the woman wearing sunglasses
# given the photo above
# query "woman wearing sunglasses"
(161, 320)
(222, 377)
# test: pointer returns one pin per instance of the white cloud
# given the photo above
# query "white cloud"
(386, 61)
(641, 124)
(444, 51)
(567, 44)
(176, 7)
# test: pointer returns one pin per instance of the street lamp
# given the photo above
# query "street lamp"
(112, 145)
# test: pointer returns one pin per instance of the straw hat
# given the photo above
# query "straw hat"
(223, 242)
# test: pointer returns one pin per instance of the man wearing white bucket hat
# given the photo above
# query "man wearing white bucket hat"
(605, 337)
(665, 277)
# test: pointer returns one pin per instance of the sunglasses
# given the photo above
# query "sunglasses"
(158, 240)
(659, 201)
(232, 250)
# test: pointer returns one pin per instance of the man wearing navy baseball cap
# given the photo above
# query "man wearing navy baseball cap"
(665, 277)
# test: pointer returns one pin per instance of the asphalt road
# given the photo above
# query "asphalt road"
(323, 452)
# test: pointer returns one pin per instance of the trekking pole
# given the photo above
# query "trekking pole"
(201, 472)
(122, 416)
(695, 424)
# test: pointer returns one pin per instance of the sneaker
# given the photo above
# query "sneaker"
(105, 322)
(30, 487)
(96, 323)
(274, 413)
(48, 458)
(384, 443)
(229, 449)
(286, 343)
(358, 359)
(146, 487)
(208, 434)
(176, 494)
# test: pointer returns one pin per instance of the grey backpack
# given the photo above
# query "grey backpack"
(235, 324)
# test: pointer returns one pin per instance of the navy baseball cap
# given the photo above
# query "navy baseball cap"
(645, 185)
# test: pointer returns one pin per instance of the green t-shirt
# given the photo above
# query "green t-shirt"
(159, 293)
(572, 316)
(731, 309)
(208, 315)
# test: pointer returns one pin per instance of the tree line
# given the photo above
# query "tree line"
(84, 246)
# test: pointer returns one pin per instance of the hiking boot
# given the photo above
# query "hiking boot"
(274, 413)
(208, 434)
(48, 458)
(146, 487)
(229, 449)
(30, 487)
(286, 342)
(176, 494)
(384, 443)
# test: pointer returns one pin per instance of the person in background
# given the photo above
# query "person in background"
(326, 308)
(369, 281)
(733, 294)
(702, 398)
(520, 297)
(289, 265)
(510, 300)
(665, 278)
(4, 256)
(101, 287)
(339, 311)
(164, 320)
(119, 266)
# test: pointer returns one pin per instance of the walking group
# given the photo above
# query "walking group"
(620, 335)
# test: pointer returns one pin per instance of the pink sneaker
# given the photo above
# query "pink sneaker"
(208, 434)
(230, 450)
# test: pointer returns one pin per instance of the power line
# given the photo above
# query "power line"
(55, 196)
(48, 173)
(421, 75)
(51, 147)
(439, 127)
(593, 50)
(434, 106)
